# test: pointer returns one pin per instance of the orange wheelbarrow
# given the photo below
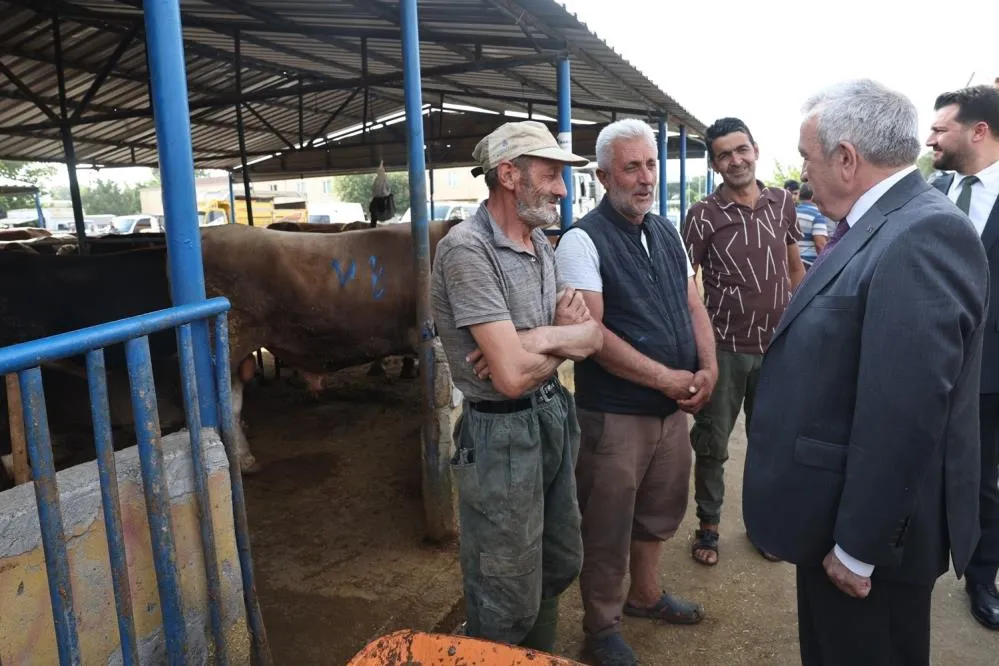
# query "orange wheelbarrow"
(415, 648)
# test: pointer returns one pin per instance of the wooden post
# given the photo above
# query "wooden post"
(19, 445)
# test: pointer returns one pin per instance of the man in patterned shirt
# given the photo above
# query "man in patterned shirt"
(744, 239)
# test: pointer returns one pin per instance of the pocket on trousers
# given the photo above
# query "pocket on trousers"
(511, 588)
(823, 455)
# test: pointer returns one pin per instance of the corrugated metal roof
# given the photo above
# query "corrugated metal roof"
(304, 68)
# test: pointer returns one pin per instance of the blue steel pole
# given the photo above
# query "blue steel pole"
(38, 211)
(436, 485)
(168, 82)
(663, 156)
(154, 484)
(683, 174)
(565, 135)
(100, 411)
(261, 646)
(232, 200)
(50, 516)
(711, 175)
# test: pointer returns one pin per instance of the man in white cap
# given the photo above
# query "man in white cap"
(506, 325)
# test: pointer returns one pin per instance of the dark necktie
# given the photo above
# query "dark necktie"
(964, 198)
(840, 231)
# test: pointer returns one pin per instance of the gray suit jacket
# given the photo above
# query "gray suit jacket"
(990, 346)
(874, 445)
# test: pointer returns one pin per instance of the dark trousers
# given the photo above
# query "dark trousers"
(985, 560)
(520, 539)
(632, 478)
(890, 626)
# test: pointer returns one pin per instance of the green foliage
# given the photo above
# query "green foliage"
(783, 173)
(25, 172)
(925, 163)
(695, 189)
(357, 188)
(107, 198)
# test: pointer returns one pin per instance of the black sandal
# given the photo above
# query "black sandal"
(705, 540)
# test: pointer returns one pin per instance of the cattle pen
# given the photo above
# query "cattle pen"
(144, 553)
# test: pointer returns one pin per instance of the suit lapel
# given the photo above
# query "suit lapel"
(990, 234)
(862, 231)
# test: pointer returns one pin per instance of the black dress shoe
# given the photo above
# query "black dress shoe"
(984, 604)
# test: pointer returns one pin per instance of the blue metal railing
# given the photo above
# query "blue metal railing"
(26, 359)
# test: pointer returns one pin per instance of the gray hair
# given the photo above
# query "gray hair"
(880, 123)
(626, 129)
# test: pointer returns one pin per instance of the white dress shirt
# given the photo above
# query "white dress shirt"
(860, 207)
(983, 194)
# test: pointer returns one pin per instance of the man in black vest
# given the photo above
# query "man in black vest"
(965, 140)
(657, 362)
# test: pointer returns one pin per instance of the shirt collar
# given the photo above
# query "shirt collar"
(988, 177)
(767, 195)
(871, 196)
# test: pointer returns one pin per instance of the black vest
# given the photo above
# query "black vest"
(645, 304)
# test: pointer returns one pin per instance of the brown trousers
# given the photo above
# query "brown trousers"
(632, 481)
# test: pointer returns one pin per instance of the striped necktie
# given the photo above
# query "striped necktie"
(840, 231)
(964, 198)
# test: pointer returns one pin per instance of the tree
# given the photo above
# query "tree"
(107, 198)
(783, 173)
(925, 163)
(357, 188)
(695, 189)
(25, 172)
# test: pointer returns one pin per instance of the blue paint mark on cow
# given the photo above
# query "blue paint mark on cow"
(345, 276)
(376, 276)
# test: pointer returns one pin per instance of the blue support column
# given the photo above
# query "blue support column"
(232, 200)
(683, 174)
(437, 496)
(663, 156)
(168, 84)
(565, 135)
(38, 211)
(711, 174)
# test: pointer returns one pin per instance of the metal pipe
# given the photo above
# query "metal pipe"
(223, 381)
(147, 432)
(232, 199)
(565, 136)
(67, 142)
(189, 386)
(711, 175)
(50, 516)
(241, 135)
(100, 412)
(683, 174)
(168, 85)
(663, 141)
(45, 350)
(435, 462)
(38, 211)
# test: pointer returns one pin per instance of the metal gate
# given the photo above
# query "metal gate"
(26, 360)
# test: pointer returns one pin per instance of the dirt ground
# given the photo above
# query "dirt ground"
(337, 535)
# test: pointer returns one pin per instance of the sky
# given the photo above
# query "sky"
(731, 59)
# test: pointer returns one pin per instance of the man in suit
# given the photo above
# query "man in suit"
(868, 480)
(965, 141)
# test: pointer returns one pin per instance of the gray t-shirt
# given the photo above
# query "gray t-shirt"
(480, 276)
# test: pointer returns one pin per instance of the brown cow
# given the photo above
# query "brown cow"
(332, 228)
(23, 233)
(319, 303)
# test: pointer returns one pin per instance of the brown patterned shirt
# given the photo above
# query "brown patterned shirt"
(743, 255)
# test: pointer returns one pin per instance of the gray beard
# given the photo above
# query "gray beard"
(536, 217)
